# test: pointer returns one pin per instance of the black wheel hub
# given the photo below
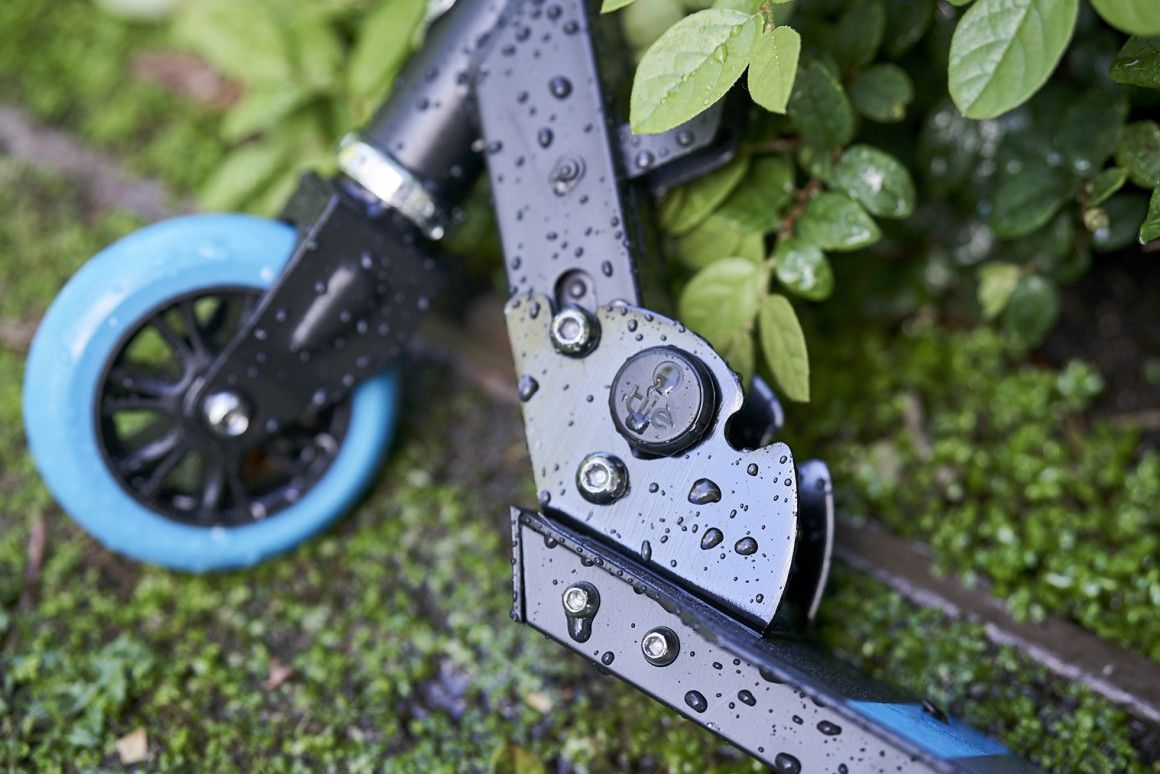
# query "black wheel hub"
(158, 444)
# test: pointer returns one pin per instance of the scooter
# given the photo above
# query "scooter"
(214, 389)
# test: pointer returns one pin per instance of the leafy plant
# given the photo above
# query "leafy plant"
(1035, 150)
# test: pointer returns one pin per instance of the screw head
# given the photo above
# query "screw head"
(574, 332)
(580, 600)
(226, 413)
(601, 478)
(660, 646)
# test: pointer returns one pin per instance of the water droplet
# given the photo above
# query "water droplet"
(644, 160)
(607, 658)
(696, 701)
(752, 469)
(646, 550)
(544, 137)
(828, 728)
(560, 87)
(534, 309)
(653, 488)
(786, 763)
(746, 698)
(711, 538)
(746, 546)
(606, 268)
(685, 138)
(705, 491)
(527, 387)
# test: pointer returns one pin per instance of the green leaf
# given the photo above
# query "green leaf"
(1135, 17)
(784, 347)
(1025, 201)
(858, 34)
(803, 269)
(906, 23)
(819, 108)
(997, 281)
(608, 6)
(689, 68)
(718, 237)
(1150, 228)
(262, 108)
(317, 50)
(383, 44)
(757, 204)
(1122, 216)
(244, 41)
(882, 92)
(1139, 153)
(773, 68)
(834, 221)
(1138, 63)
(706, 194)
(1032, 310)
(1105, 184)
(242, 174)
(739, 354)
(1090, 129)
(1004, 50)
(646, 20)
(875, 179)
(721, 299)
(949, 148)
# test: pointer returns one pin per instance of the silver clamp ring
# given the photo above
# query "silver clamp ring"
(391, 183)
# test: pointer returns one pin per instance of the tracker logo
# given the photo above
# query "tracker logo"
(652, 408)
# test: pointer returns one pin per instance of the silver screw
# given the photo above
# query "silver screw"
(601, 478)
(580, 600)
(574, 331)
(226, 413)
(660, 646)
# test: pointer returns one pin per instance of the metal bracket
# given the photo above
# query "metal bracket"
(782, 700)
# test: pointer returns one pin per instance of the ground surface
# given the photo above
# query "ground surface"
(386, 642)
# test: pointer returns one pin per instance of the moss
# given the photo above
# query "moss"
(1059, 725)
(948, 438)
(75, 71)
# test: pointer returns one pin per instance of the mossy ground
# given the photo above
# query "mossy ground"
(395, 621)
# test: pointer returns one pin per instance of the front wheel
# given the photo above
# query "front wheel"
(104, 404)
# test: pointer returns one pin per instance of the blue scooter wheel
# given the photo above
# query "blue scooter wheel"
(104, 448)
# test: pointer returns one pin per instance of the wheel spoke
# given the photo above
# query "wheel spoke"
(237, 488)
(115, 404)
(151, 454)
(193, 329)
(213, 484)
(132, 381)
(177, 343)
(162, 469)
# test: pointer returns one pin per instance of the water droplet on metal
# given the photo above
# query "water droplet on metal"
(746, 697)
(786, 764)
(752, 469)
(828, 728)
(544, 137)
(685, 138)
(696, 701)
(560, 87)
(746, 546)
(704, 491)
(607, 658)
(646, 550)
(712, 538)
(527, 387)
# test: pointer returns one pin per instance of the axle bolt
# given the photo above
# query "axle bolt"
(601, 478)
(580, 600)
(660, 646)
(574, 332)
(226, 413)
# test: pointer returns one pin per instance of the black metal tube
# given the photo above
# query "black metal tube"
(427, 124)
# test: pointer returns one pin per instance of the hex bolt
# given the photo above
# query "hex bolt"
(601, 478)
(660, 646)
(580, 600)
(574, 332)
(226, 413)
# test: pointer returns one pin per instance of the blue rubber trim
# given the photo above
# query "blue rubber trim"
(946, 740)
(78, 334)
